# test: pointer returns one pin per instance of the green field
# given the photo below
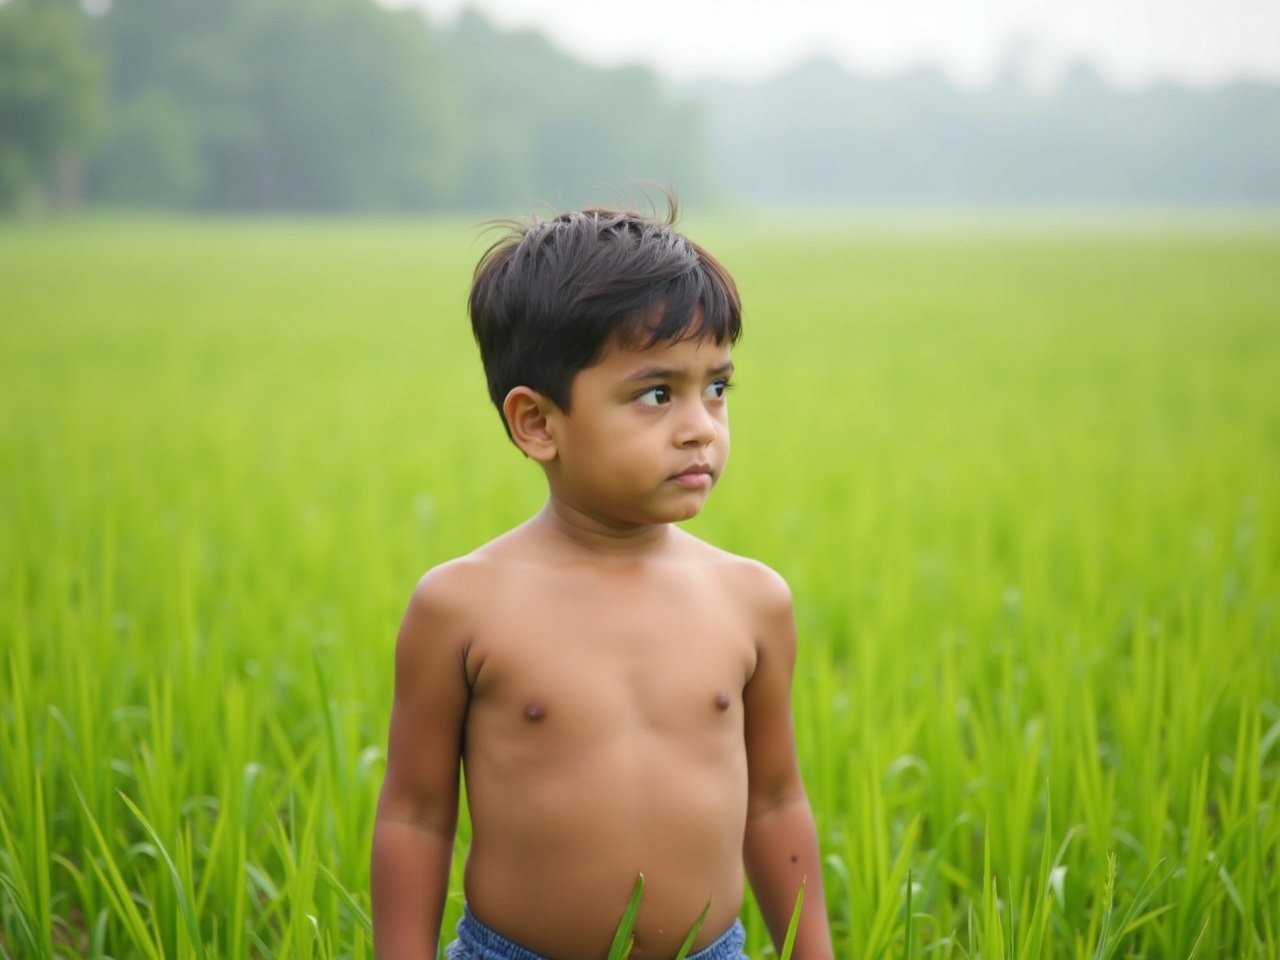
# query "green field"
(1023, 478)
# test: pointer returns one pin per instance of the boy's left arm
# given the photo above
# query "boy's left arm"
(780, 848)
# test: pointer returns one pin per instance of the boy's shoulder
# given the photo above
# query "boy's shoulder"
(750, 580)
(457, 583)
(743, 566)
(464, 584)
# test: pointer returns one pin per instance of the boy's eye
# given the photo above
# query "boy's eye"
(655, 396)
(717, 389)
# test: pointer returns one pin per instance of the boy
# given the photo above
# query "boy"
(616, 691)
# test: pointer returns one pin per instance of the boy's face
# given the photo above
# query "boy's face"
(647, 435)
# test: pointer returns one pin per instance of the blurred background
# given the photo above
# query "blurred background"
(1016, 469)
(356, 106)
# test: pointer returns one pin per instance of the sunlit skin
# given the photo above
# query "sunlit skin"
(616, 690)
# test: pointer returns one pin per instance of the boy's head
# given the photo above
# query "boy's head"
(553, 295)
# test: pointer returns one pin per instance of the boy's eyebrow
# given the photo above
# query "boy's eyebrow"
(672, 373)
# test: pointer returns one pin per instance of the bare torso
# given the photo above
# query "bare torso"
(604, 738)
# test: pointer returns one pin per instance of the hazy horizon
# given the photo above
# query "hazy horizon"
(1132, 43)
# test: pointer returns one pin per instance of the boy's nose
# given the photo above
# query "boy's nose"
(698, 428)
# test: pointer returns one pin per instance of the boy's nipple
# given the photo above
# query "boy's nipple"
(535, 710)
(722, 700)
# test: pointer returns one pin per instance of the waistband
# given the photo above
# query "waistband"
(487, 944)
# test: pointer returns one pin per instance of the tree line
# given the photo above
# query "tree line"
(820, 132)
(326, 105)
(344, 105)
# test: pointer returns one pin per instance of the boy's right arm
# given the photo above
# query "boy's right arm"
(418, 807)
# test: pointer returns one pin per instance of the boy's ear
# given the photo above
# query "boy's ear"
(526, 411)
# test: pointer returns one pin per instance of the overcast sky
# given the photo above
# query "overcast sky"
(1133, 42)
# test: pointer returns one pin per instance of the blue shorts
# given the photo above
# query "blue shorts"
(478, 942)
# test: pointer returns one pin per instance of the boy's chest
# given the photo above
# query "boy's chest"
(567, 657)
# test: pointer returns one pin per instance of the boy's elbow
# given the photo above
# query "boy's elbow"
(423, 811)
(785, 796)
(395, 820)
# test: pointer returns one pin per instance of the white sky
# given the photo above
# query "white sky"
(1133, 42)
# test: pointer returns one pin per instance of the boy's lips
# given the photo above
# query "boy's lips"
(697, 475)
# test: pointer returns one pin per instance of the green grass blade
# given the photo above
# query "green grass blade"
(697, 925)
(906, 950)
(345, 896)
(180, 889)
(789, 943)
(117, 890)
(622, 937)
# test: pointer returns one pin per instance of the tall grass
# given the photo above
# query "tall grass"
(1022, 481)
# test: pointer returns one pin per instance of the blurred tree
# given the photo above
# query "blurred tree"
(347, 105)
(819, 134)
(280, 104)
(350, 109)
(176, 87)
(540, 126)
(50, 96)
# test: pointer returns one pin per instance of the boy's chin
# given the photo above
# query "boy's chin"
(651, 511)
(687, 511)
(673, 513)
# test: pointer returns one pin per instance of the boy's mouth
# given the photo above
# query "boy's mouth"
(697, 475)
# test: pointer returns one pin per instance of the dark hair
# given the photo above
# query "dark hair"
(551, 295)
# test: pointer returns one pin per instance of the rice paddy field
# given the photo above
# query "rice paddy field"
(1023, 476)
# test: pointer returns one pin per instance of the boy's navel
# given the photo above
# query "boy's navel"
(535, 710)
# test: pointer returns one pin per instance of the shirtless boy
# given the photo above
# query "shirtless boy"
(616, 691)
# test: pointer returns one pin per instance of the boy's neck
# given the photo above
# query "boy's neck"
(581, 532)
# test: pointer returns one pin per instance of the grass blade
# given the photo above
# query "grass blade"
(334, 884)
(181, 890)
(789, 943)
(697, 925)
(622, 938)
